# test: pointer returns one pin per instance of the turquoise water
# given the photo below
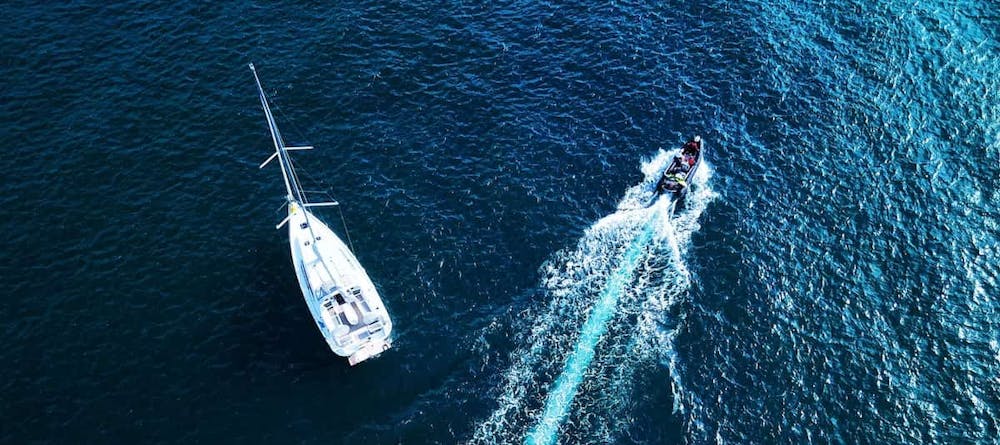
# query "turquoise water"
(836, 281)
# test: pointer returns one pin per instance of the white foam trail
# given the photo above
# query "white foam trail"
(563, 391)
(648, 274)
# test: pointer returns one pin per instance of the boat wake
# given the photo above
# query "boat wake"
(609, 312)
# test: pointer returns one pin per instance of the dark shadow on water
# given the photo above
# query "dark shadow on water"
(275, 332)
(654, 403)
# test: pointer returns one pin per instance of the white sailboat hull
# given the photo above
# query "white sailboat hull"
(340, 295)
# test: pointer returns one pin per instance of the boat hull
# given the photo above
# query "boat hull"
(668, 179)
(341, 297)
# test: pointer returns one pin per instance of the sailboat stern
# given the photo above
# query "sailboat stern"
(371, 349)
(353, 328)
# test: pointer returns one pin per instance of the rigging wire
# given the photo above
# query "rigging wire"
(346, 232)
(287, 119)
(343, 221)
(295, 171)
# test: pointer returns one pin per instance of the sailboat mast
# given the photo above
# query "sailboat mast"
(291, 182)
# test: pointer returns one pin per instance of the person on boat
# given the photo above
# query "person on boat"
(676, 182)
(691, 147)
(680, 181)
(683, 163)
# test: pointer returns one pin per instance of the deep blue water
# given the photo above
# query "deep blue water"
(835, 278)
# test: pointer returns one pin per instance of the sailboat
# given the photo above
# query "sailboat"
(340, 295)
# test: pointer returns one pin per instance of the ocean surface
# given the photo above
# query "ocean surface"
(834, 276)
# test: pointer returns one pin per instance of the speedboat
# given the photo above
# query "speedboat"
(340, 295)
(676, 179)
